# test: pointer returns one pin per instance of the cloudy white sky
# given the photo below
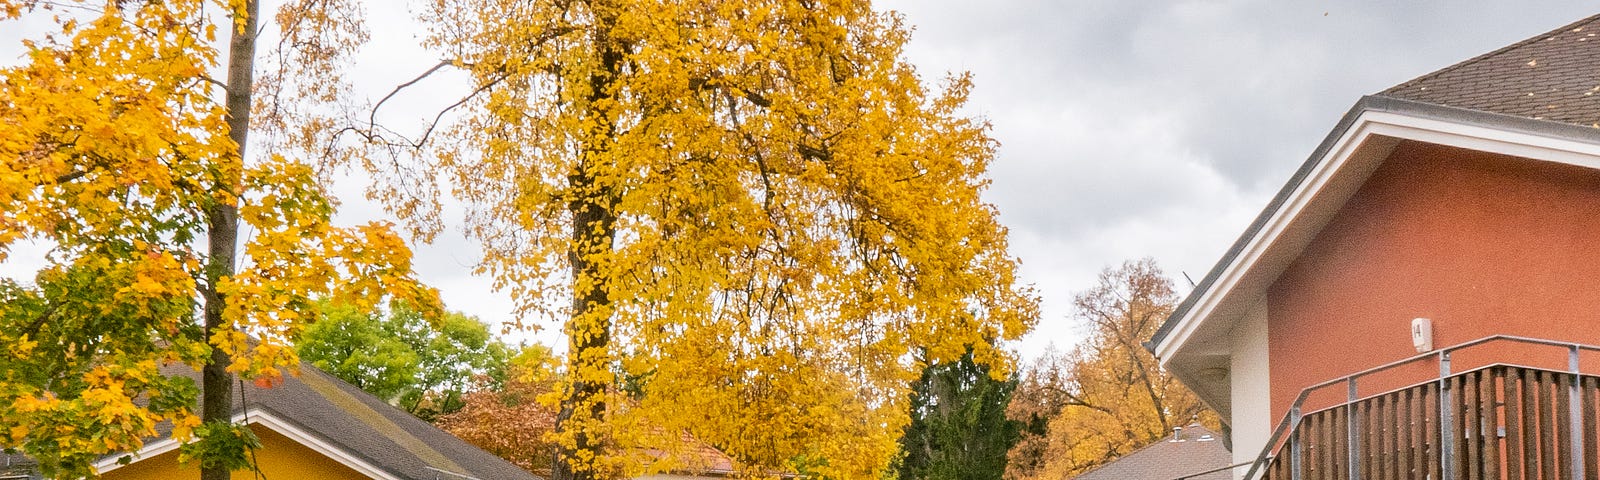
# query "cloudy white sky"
(1128, 128)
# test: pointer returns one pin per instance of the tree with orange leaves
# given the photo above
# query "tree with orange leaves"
(1108, 396)
(511, 421)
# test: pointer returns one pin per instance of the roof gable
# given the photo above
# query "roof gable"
(346, 423)
(1533, 99)
(1196, 336)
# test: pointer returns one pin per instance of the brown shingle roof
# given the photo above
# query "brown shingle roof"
(1554, 76)
(1200, 450)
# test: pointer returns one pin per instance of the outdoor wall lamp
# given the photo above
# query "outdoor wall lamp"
(1422, 334)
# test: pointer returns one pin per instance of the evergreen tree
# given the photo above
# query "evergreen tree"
(959, 429)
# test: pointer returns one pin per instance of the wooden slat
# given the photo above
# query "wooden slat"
(1364, 417)
(1283, 469)
(1419, 432)
(1487, 423)
(1591, 461)
(1336, 445)
(1330, 444)
(1308, 455)
(1320, 439)
(1514, 451)
(1405, 417)
(1308, 449)
(1471, 441)
(1386, 432)
(1531, 442)
(1547, 427)
(1431, 404)
(1563, 420)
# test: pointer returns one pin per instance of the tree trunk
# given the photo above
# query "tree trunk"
(593, 233)
(588, 342)
(223, 228)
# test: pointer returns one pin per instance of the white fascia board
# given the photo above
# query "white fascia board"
(274, 423)
(1368, 124)
(150, 450)
(1257, 245)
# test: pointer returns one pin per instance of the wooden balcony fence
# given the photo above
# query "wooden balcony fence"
(1498, 422)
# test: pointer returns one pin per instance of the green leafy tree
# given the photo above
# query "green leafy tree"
(421, 364)
(959, 429)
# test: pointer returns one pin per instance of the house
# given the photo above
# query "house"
(1191, 453)
(1438, 252)
(315, 426)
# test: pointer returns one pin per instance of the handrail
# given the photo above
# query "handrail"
(1291, 420)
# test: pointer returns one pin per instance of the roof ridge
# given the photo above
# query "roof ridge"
(1491, 53)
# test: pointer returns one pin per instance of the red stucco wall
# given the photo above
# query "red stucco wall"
(1482, 244)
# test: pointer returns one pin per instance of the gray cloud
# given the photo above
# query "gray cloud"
(1160, 129)
(1128, 128)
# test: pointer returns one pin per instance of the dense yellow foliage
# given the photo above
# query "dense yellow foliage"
(114, 147)
(751, 212)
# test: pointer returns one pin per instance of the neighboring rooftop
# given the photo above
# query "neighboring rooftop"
(364, 426)
(18, 467)
(1194, 451)
(696, 458)
(1554, 76)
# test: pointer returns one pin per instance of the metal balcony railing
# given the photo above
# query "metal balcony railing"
(1498, 420)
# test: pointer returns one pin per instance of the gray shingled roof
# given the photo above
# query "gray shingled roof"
(18, 466)
(367, 427)
(1554, 76)
(1199, 450)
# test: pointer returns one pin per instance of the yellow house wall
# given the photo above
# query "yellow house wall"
(279, 458)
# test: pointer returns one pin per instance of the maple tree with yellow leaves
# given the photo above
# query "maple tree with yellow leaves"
(746, 215)
(122, 152)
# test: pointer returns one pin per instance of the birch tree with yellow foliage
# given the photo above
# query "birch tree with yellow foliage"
(122, 148)
(744, 214)
(1108, 396)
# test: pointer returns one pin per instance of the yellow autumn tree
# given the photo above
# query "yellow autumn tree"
(744, 214)
(1108, 396)
(122, 148)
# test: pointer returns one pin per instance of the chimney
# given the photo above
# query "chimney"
(1177, 434)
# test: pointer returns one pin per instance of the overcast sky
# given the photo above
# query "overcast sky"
(1160, 129)
(1128, 128)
